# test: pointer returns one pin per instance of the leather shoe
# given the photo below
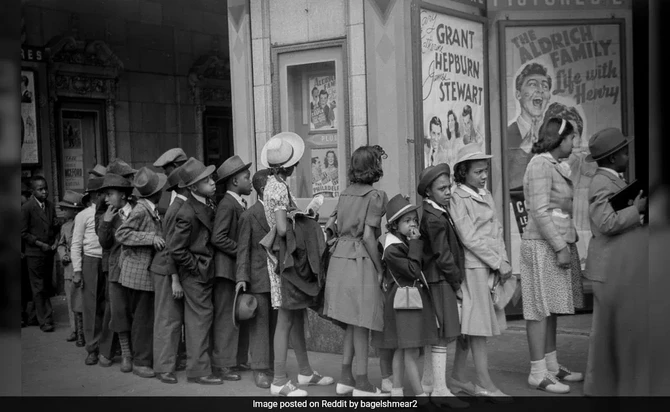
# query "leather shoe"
(227, 374)
(72, 337)
(104, 361)
(206, 380)
(262, 379)
(126, 365)
(167, 377)
(181, 364)
(47, 328)
(143, 371)
(91, 359)
(242, 367)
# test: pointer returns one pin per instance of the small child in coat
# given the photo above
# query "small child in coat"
(405, 330)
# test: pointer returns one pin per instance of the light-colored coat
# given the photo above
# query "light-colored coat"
(64, 243)
(479, 229)
(548, 191)
(606, 223)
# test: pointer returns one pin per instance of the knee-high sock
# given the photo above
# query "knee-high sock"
(439, 371)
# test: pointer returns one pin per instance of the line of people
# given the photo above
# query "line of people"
(238, 280)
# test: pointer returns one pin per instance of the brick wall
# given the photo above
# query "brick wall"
(158, 42)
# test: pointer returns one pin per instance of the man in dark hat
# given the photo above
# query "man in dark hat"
(39, 231)
(86, 256)
(230, 345)
(193, 254)
(141, 236)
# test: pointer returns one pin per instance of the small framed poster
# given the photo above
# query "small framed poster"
(30, 141)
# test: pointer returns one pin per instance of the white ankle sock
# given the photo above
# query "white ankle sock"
(538, 369)
(397, 392)
(439, 371)
(552, 362)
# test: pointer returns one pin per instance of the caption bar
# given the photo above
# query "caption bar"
(323, 403)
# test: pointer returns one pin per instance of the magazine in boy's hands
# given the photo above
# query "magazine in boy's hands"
(625, 197)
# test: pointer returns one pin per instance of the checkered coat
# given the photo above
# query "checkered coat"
(137, 236)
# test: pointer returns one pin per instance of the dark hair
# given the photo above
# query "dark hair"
(562, 111)
(461, 170)
(315, 88)
(530, 70)
(467, 111)
(279, 170)
(435, 121)
(335, 164)
(366, 165)
(259, 180)
(549, 138)
(35, 179)
(323, 92)
(315, 159)
(451, 113)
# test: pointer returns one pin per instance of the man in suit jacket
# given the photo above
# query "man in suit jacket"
(193, 255)
(140, 236)
(38, 231)
(252, 275)
(168, 304)
(230, 345)
(609, 148)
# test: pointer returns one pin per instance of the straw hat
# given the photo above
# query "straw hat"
(147, 182)
(606, 142)
(471, 151)
(282, 150)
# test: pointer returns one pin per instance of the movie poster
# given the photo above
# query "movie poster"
(567, 71)
(29, 138)
(73, 155)
(323, 109)
(325, 172)
(453, 79)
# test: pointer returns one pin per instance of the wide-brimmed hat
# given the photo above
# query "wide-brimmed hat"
(245, 306)
(231, 167)
(147, 182)
(282, 150)
(606, 142)
(175, 155)
(398, 206)
(471, 151)
(173, 180)
(429, 174)
(98, 170)
(72, 200)
(115, 181)
(193, 171)
(121, 168)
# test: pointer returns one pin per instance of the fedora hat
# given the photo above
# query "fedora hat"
(282, 150)
(471, 151)
(94, 184)
(606, 142)
(148, 183)
(72, 200)
(398, 206)
(98, 170)
(175, 155)
(245, 307)
(231, 167)
(173, 180)
(429, 174)
(193, 171)
(121, 168)
(112, 180)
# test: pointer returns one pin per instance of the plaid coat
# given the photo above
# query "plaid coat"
(548, 191)
(137, 236)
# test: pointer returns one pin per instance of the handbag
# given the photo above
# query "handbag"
(406, 297)
(502, 293)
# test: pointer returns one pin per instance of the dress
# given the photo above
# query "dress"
(352, 294)
(479, 229)
(275, 197)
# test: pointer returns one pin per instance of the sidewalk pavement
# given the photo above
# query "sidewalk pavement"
(53, 367)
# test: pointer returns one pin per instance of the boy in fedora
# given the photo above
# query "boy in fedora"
(190, 247)
(230, 344)
(168, 303)
(39, 230)
(28, 316)
(251, 275)
(609, 149)
(141, 236)
(117, 191)
(86, 256)
(70, 205)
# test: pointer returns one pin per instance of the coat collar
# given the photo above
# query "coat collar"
(232, 199)
(201, 211)
(464, 191)
(617, 180)
(433, 208)
(563, 168)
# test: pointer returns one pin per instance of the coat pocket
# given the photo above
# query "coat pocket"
(562, 222)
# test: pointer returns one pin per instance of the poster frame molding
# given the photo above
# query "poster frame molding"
(416, 7)
(502, 60)
(25, 67)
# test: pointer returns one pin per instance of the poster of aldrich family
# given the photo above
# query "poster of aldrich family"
(453, 80)
(322, 105)
(570, 70)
